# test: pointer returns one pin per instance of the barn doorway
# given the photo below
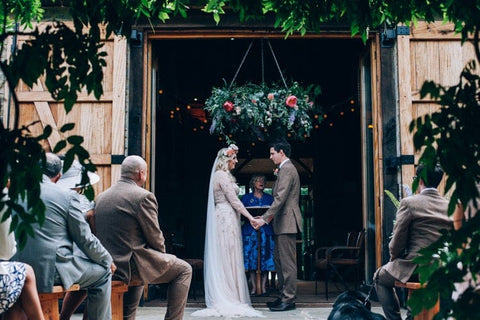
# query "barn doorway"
(330, 161)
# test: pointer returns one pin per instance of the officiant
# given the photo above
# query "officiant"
(257, 198)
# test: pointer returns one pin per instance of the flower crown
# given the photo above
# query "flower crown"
(230, 151)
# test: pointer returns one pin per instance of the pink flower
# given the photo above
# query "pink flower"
(228, 106)
(291, 101)
(270, 96)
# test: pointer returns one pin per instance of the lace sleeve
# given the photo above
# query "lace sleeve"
(227, 187)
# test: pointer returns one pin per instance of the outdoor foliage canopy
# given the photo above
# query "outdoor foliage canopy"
(71, 60)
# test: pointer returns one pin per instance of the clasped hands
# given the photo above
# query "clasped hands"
(257, 222)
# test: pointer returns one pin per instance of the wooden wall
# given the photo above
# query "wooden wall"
(430, 52)
(100, 122)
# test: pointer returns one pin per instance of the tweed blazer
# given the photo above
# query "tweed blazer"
(285, 210)
(126, 220)
(52, 245)
(419, 220)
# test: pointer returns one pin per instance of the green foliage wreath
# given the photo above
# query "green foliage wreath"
(263, 112)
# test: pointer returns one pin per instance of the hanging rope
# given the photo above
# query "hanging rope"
(276, 62)
(241, 64)
(263, 65)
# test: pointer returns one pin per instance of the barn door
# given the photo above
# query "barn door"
(430, 52)
(100, 122)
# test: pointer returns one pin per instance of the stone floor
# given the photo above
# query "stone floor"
(309, 306)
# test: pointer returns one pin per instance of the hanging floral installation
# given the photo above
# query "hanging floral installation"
(263, 112)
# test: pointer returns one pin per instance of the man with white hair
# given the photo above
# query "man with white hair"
(126, 218)
(50, 252)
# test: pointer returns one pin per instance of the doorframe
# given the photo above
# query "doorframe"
(149, 129)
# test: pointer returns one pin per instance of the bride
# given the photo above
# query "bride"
(226, 289)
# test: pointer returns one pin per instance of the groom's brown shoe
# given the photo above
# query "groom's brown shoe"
(274, 303)
(284, 306)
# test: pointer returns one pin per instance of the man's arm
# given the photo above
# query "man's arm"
(400, 231)
(82, 235)
(280, 196)
(148, 220)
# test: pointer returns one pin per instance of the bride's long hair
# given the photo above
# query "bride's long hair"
(222, 162)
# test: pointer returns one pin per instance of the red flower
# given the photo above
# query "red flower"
(228, 106)
(270, 96)
(291, 101)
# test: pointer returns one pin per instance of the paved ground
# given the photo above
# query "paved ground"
(309, 305)
(156, 313)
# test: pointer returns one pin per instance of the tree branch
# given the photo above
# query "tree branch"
(11, 89)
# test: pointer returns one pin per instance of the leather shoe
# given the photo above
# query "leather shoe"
(274, 303)
(283, 307)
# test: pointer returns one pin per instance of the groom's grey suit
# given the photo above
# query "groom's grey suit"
(287, 221)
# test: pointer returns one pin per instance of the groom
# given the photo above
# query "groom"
(287, 220)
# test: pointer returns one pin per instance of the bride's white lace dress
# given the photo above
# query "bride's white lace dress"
(226, 289)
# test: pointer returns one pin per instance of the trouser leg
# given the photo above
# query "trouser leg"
(131, 299)
(278, 265)
(98, 282)
(179, 277)
(385, 286)
(287, 254)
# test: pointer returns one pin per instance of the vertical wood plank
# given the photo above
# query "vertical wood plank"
(405, 103)
(118, 104)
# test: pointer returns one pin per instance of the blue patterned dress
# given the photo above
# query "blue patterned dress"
(250, 239)
(11, 283)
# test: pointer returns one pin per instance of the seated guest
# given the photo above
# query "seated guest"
(18, 290)
(51, 252)
(72, 179)
(419, 220)
(126, 218)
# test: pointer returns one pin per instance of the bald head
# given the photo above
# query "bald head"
(135, 168)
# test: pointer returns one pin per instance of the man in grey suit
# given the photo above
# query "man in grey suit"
(419, 220)
(287, 221)
(51, 253)
(126, 219)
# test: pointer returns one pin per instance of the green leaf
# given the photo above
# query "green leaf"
(67, 127)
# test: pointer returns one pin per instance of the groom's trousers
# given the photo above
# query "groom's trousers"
(285, 258)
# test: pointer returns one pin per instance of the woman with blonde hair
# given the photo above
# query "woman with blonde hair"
(226, 289)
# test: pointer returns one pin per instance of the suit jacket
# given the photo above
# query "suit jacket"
(126, 219)
(419, 220)
(285, 210)
(52, 245)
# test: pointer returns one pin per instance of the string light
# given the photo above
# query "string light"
(160, 91)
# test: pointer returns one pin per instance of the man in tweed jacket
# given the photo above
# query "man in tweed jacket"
(287, 222)
(126, 219)
(419, 220)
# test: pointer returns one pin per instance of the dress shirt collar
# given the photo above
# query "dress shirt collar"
(427, 190)
(283, 162)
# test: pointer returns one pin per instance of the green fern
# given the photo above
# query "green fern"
(394, 200)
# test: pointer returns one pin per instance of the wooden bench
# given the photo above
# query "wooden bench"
(426, 314)
(49, 301)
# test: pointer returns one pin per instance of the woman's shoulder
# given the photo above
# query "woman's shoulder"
(220, 174)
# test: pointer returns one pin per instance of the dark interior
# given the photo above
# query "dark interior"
(329, 161)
